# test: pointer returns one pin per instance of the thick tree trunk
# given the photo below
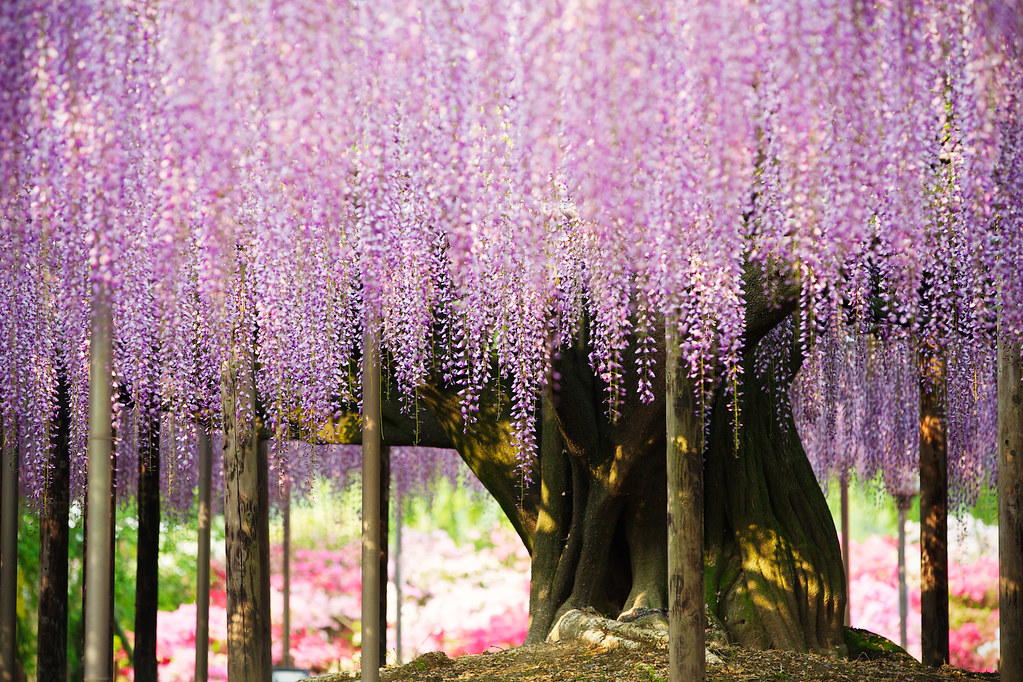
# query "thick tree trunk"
(549, 536)
(247, 528)
(52, 633)
(594, 518)
(684, 418)
(148, 555)
(593, 513)
(933, 521)
(9, 558)
(1010, 509)
(774, 574)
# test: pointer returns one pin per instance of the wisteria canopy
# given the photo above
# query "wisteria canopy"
(475, 179)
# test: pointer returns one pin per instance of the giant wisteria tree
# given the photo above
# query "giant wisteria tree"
(574, 227)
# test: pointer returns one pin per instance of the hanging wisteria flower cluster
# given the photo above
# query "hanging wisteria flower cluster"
(473, 179)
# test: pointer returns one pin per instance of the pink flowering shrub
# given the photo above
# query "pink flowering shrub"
(473, 597)
(973, 600)
(456, 598)
(462, 601)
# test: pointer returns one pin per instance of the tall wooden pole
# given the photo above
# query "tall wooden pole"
(245, 512)
(202, 598)
(933, 518)
(1010, 514)
(98, 552)
(385, 513)
(686, 637)
(52, 635)
(9, 558)
(370, 508)
(399, 592)
(147, 587)
(902, 502)
(286, 626)
(111, 528)
(844, 512)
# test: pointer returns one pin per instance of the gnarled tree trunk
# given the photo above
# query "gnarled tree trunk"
(593, 513)
(594, 516)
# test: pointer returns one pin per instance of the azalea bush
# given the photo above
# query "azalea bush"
(973, 591)
(465, 589)
(465, 586)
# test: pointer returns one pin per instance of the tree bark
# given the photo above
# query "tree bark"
(148, 553)
(247, 527)
(933, 519)
(549, 536)
(1010, 514)
(593, 514)
(594, 518)
(774, 566)
(52, 632)
(9, 557)
(684, 417)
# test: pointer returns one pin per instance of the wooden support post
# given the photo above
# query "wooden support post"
(933, 517)
(9, 557)
(844, 512)
(148, 557)
(370, 508)
(286, 569)
(51, 635)
(686, 637)
(202, 599)
(385, 513)
(247, 526)
(98, 551)
(111, 528)
(902, 502)
(1010, 514)
(399, 592)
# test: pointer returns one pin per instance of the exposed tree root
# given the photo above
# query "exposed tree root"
(588, 627)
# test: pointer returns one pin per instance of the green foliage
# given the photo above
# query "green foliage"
(28, 590)
(986, 509)
(651, 672)
(873, 512)
(28, 583)
(179, 547)
(454, 509)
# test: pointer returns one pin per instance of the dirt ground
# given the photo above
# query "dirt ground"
(561, 662)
